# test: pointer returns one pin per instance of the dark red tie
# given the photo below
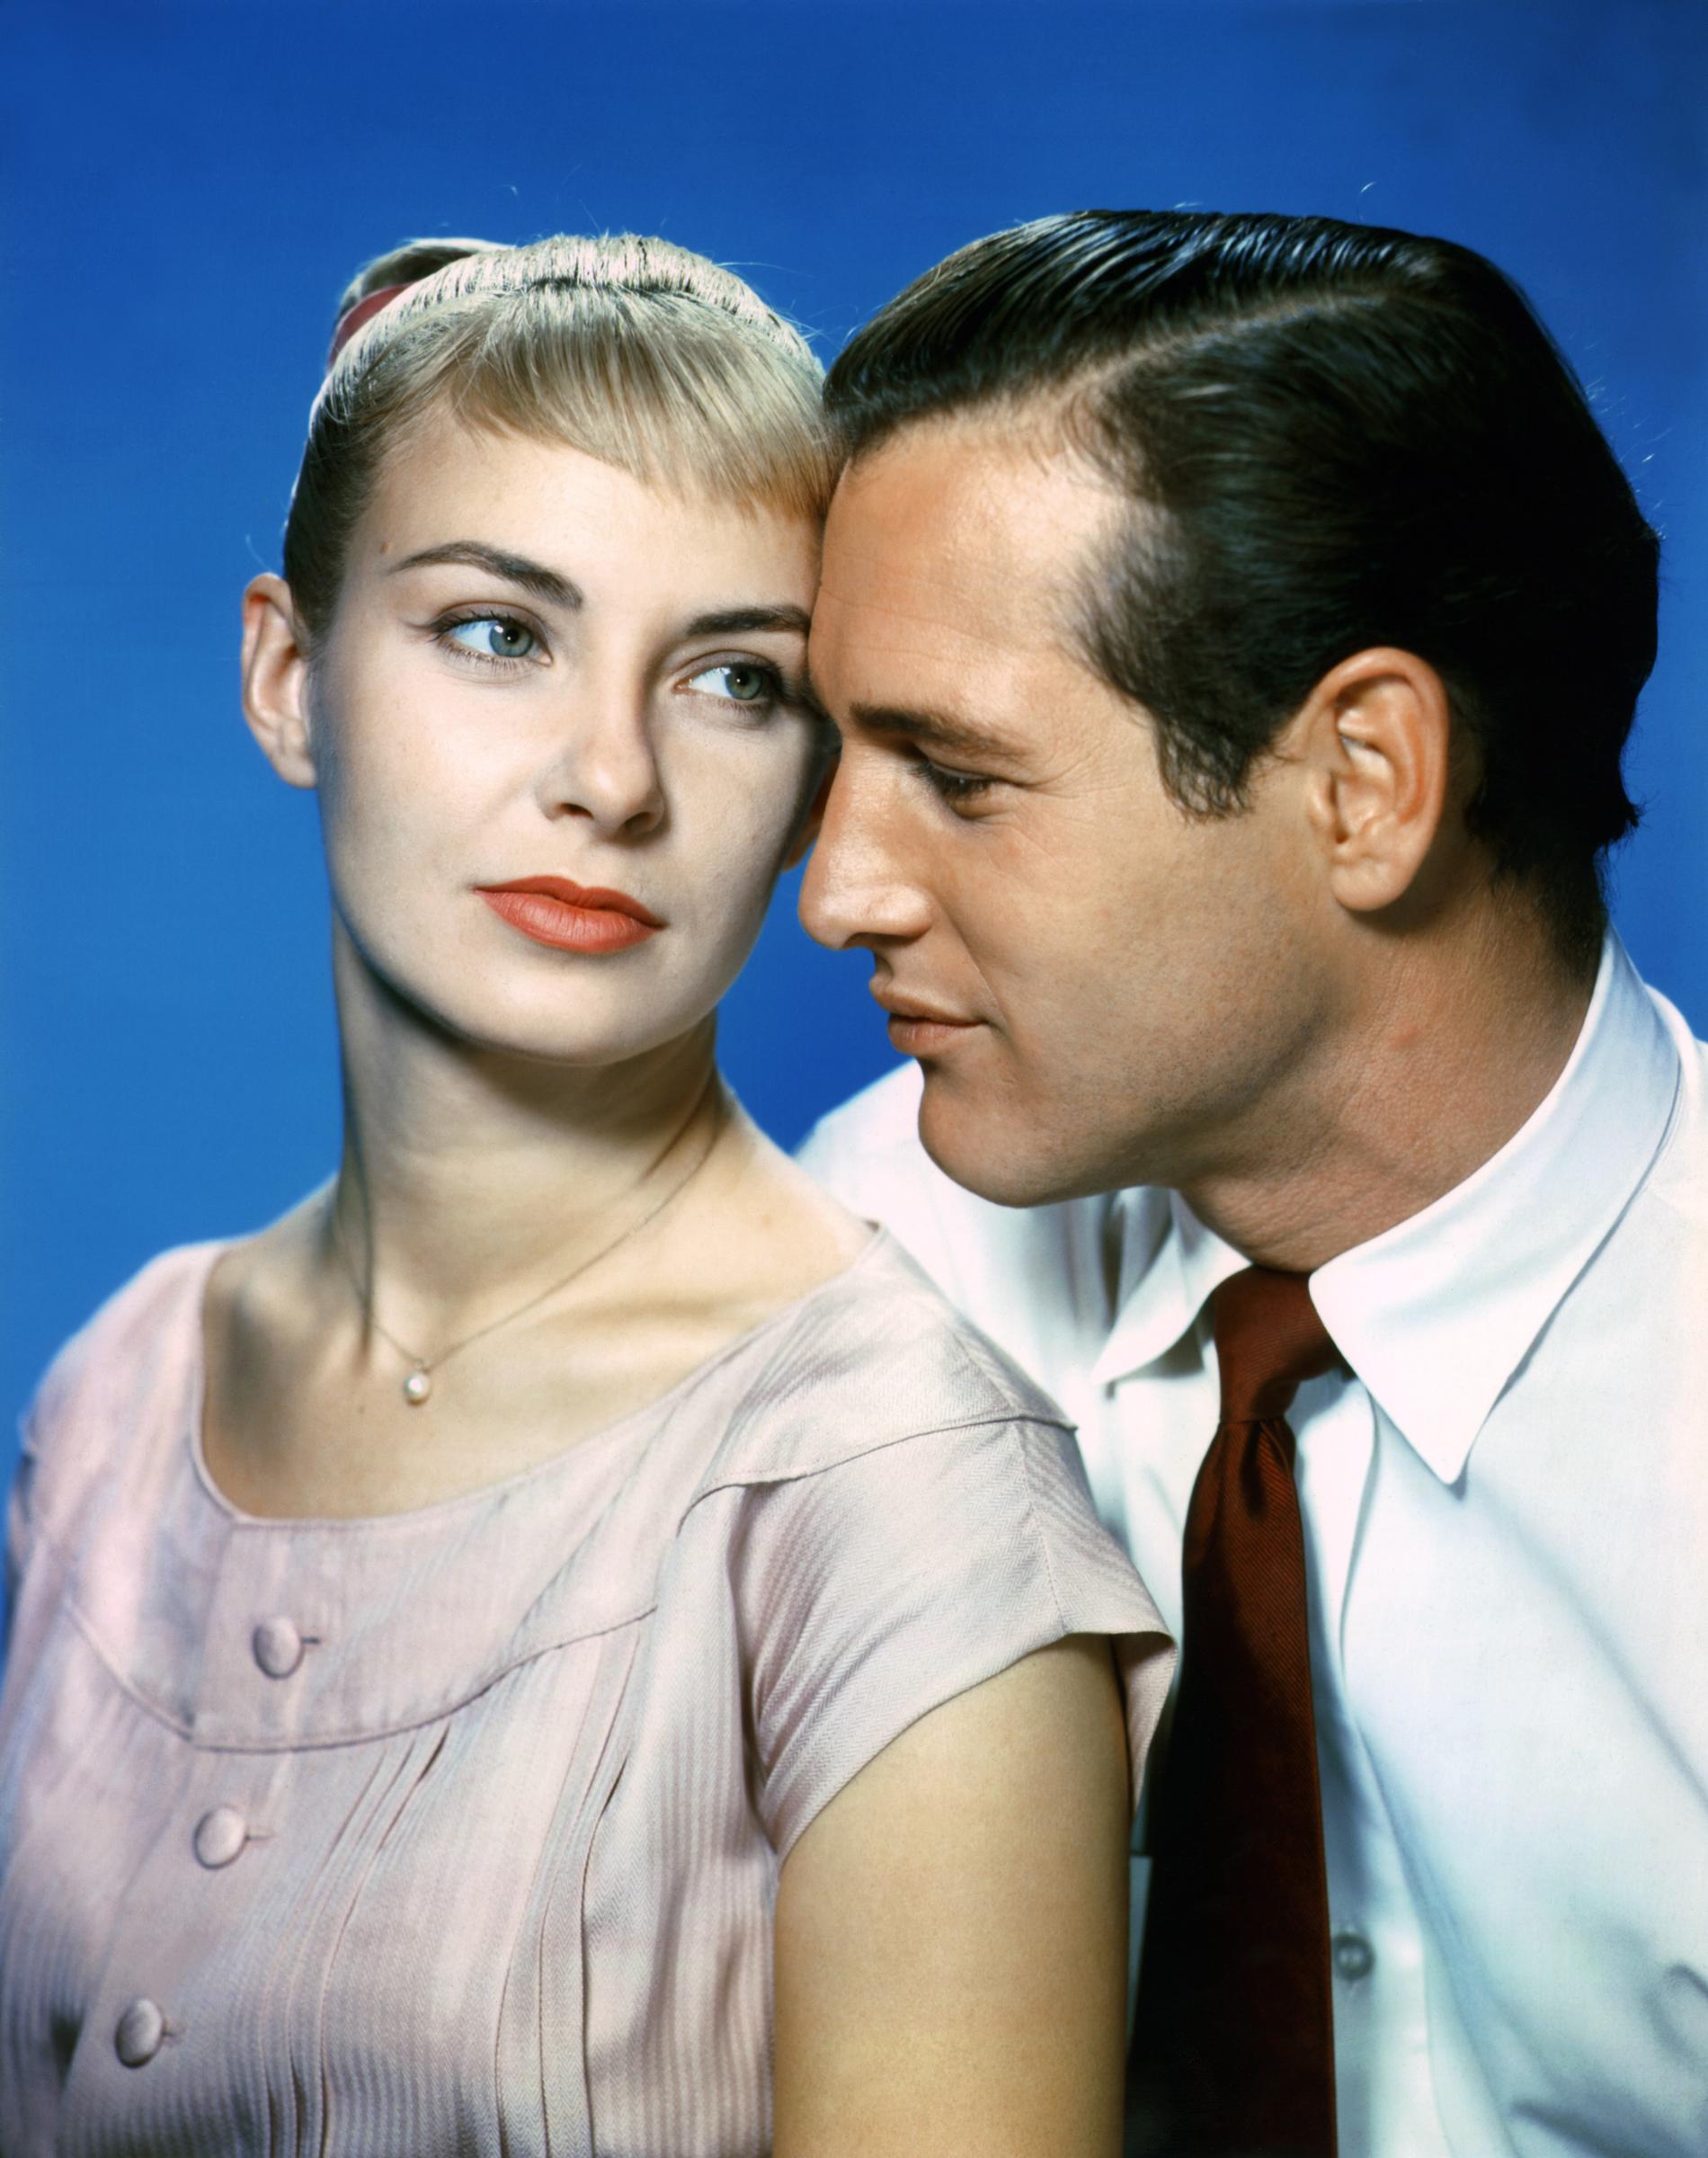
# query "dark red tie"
(1232, 2051)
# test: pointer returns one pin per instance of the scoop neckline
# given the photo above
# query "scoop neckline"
(595, 1443)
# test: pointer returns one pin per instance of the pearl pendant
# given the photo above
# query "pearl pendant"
(417, 1386)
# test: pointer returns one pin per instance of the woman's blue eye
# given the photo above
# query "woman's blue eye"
(741, 681)
(493, 637)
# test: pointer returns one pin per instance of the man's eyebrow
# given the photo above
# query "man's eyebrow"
(738, 621)
(515, 569)
(932, 730)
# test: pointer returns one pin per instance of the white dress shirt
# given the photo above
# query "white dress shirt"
(1506, 1514)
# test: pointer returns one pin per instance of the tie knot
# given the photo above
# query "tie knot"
(1268, 1339)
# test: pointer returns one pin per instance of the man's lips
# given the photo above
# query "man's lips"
(919, 1029)
(571, 917)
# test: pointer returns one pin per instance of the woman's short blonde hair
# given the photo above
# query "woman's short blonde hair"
(639, 353)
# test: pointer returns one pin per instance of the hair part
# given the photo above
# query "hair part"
(1331, 437)
(635, 351)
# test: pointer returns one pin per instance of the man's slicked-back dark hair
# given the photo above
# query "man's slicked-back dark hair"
(1334, 437)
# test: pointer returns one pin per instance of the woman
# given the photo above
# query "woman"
(477, 1637)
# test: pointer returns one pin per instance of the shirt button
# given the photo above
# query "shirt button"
(219, 1836)
(141, 2028)
(1353, 1957)
(278, 1647)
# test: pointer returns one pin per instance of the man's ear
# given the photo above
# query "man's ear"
(1375, 740)
(813, 819)
(275, 679)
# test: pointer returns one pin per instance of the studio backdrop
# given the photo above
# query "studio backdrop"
(193, 183)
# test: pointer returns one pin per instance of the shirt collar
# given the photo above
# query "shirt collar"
(1170, 1264)
(1436, 1314)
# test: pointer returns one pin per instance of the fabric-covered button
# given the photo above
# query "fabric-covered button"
(278, 1647)
(1353, 1957)
(220, 1835)
(141, 2028)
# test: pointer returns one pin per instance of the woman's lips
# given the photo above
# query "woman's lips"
(571, 917)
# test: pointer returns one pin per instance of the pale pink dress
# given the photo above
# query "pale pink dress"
(457, 1831)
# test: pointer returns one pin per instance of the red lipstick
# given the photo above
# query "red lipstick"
(571, 917)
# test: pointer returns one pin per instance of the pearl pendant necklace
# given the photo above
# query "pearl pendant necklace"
(418, 1379)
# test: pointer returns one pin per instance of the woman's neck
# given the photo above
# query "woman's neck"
(469, 1179)
(478, 1199)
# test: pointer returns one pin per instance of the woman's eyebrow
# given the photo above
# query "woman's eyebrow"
(735, 621)
(515, 569)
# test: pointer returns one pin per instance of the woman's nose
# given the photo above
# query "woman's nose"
(855, 890)
(606, 768)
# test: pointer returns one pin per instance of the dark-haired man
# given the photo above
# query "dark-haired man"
(1233, 625)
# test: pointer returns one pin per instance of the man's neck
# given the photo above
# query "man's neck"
(1446, 1051)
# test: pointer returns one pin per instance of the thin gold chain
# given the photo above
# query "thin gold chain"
(429, 1365)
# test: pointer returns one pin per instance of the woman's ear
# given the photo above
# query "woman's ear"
(1376, 738)
(275, 679)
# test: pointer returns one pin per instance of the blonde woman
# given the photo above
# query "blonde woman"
(565, 1620)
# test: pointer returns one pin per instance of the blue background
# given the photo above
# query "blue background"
(201, 179)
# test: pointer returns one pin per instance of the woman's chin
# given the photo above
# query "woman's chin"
(589, 1030)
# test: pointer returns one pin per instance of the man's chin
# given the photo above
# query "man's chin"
(994, 1153)
(1020, 1153)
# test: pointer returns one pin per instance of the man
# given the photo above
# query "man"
(1234, 625)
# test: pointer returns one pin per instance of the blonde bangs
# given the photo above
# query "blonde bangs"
(635, 351)
(656, 385)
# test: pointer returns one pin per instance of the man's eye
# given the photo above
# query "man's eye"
(953, 786)
(738, 681)
(493, 637)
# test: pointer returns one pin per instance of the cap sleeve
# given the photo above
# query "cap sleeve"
(138, 1346)
(17, 1542)
(872, 1591)
(46, 1409)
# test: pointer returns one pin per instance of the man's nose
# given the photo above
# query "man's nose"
(854, 891)
(605, 766)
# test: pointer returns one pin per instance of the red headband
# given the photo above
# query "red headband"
(353, 318)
